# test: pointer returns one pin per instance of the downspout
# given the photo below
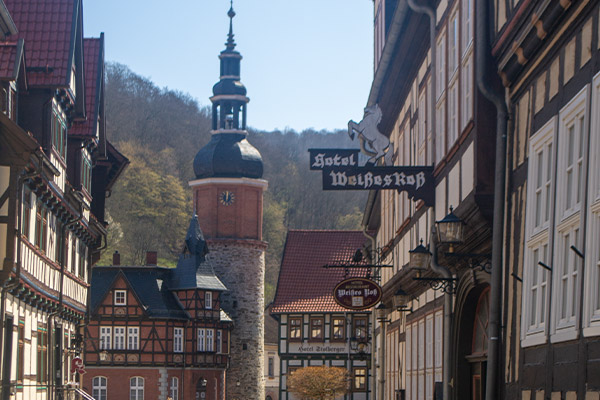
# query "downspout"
(430, 11)
(447, 355)
(483, 64)
(373, 369)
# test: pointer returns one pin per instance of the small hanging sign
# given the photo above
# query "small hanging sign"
(77, 365)
(357, 293)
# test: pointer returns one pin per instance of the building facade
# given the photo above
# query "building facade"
(548, 57)
(272, 364)
(56, 167)
(228, 198)
(313, 329)
(158, 332)
(501, 98)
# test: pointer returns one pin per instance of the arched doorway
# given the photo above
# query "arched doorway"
(479, 344)
(472, 318)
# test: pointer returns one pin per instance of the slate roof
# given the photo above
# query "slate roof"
(193, 270)
(148, 284)
(304, 285)
(93, 60)
(49, 32)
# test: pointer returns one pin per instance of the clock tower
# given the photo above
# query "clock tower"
(228, 199)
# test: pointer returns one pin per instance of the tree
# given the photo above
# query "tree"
(318, 383)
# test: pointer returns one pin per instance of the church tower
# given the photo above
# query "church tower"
(228, 199)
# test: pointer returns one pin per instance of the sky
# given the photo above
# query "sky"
(307, 63)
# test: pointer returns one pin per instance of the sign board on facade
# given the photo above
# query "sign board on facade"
(77, 365)
(357, 293)
(416, 181)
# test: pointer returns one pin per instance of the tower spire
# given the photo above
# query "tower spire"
(230, 43)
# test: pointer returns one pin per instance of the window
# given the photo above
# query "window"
(133, 338)
(423, 356)
(119, 338)
(41, 226)
(338, 328)
(360, 379)
(86, 172)
(422, 130)
(360, 327)
(25, 224)
(120, 297)
(295, 328)
(20, 351)
(466, 90)
(42, 355)
(210, 340)
(178, 340)
(271, 367)
(467, 25)
(99, 387)
(453, 43)
(219, 341)
(539, 198)
(592, 250)
(82, 255)
(208, 300)
(200, 345)
(316, 328)
(174, 388)
(105, 338)
(59, 132)
(136, 388)
(441, 65)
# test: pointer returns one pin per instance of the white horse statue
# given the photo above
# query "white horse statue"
(378, 143)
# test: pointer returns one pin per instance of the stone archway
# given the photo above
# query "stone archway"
(470, 338)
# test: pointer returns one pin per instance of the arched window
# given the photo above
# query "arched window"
(136, 388)
(174, 388)
(99, 388)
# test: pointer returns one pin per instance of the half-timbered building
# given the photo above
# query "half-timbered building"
(548, 56)
(434, 115)
(313, 328)
(56, 168)
(158, 332)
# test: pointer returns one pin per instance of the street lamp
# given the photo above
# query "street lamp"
(419, 258)
(399, 301)
(381, 313)
(450, 229)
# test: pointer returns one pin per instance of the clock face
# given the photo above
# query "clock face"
(226, 198)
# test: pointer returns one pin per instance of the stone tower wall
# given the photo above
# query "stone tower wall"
(240, 264)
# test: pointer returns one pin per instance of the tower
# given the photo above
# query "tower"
(228, 199)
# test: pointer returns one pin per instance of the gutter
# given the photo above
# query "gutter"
(483, 66)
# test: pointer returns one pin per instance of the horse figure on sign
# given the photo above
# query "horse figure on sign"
(378, 144)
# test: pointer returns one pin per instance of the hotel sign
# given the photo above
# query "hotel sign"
(331, 158)
(357, 293)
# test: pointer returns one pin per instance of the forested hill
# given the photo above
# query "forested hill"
(160, 132)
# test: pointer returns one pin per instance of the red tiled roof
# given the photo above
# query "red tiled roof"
(92, 59)
(304, 285)
(48, 30)
(8, 61)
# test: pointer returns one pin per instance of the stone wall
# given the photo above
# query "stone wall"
(240, 264)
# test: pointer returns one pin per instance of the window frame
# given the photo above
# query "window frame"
(100, 387)
(117, 300)
(316, 323)
(135, 388)
(178, 336)
(208, 300)
(359, 379)
(174, 388)
(200, 340)
(357, 329)
(119, 334)
(293, 328)
(342, 327)
(105, 334)
(133, 338)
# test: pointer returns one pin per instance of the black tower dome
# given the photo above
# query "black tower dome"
(229, 154)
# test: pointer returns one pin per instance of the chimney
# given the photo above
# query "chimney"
(116, 258)
(151, 257)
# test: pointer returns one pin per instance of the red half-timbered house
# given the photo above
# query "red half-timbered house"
(158, 332)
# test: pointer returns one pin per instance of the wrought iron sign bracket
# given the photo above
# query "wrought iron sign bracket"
(482, 262)
(446, 285)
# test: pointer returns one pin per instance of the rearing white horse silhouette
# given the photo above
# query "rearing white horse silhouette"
(379, 144)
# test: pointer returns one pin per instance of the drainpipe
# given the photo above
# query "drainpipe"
(430, 11)
(483, 66)
(447, 355)
(373, 369)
